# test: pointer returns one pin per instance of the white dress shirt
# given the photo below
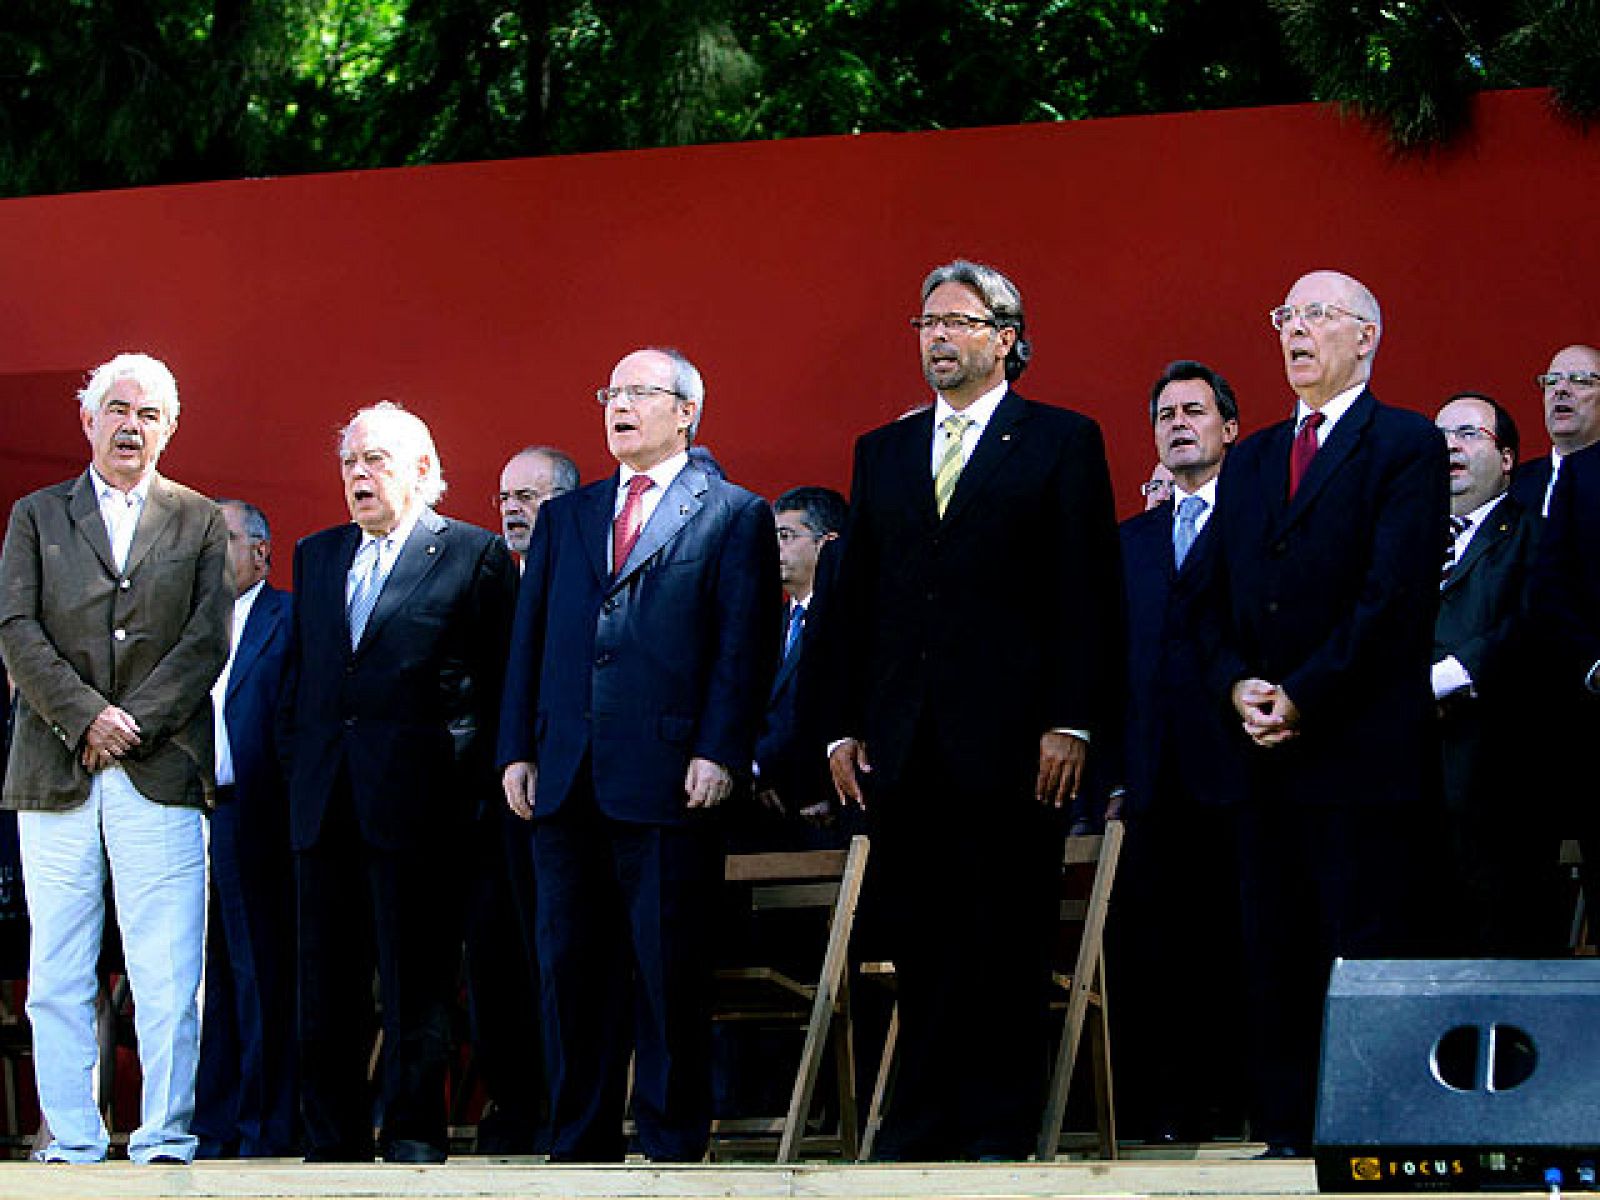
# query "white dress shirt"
(219, 691)
(662, 475)
(121, 512)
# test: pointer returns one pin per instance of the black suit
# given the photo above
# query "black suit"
(1566, 604)
(1177, 910)
(1529, 482)
(1331, 595)
(1503, 854)
(392, 755)
(953, 645)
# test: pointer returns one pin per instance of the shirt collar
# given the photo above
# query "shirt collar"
(103, 491)
(978, 412)
(1331, 411)
(1207, 491)
(662, 474)
(1477, 515)
(397, 536)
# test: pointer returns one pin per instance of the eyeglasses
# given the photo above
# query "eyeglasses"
(1314, 313)
(1581, 378)
(787, 535)
(527, 497)
(1468, 435)
(952, 322)
(1155, 487)
(634, 392)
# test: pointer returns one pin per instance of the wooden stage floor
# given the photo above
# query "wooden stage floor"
(1207, 1172)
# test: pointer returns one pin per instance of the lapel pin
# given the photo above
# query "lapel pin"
(433, 549)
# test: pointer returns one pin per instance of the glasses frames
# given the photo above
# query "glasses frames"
(1314, 313)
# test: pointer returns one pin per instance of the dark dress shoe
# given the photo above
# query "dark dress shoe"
(338, 1152)
(1282, 1150)
(166, 1160)
(405, 1150)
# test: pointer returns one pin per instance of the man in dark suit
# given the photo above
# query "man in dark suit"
(401, 620)
(1571, 390)
(1504, 879)
(789, 775)
(972, 649)
(645, 639)
(1566, 613)
(114, 609)
(247, 1101)
(1331, 528)
(1177, 914)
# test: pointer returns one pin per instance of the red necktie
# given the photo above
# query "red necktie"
(625, 529)
(1303, 450)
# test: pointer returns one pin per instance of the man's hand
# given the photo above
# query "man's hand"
(95, 760)
(769, 799)
(1270, 717)
(519, 780)
(1061, 758)
(818, 815)
(706, 783)
(112, 734)
(847, 764)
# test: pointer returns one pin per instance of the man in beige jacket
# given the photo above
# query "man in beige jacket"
(115, 606)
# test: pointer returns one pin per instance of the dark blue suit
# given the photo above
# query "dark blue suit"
(392, 756)
(247, 1092)
(616, 681)
(1529, 482)
(1332, 595)
(1177, 914)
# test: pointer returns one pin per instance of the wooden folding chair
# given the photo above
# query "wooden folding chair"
(1089, 867)
(763, 996)
(1093, 857)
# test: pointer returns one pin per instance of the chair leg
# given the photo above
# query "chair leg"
(883, 1087)
(1105, 1108)
(844, 1065)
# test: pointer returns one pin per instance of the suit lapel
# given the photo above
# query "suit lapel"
(913, 461)
(265, 614)
(594, 526)
(1494, 530)
(84, 508)
(999, 435)
(1325, 464)
(418, 557)
(678, 506)
(152, 521)
(790, 660)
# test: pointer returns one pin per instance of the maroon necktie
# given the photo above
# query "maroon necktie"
(625, 529)
(1303, 450)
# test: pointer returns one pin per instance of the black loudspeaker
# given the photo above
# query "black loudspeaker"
(1460, 1075)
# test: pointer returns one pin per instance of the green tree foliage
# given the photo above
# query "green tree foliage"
(108, 93)
(1413, 65)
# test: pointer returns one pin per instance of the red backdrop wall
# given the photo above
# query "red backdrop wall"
(494, 298)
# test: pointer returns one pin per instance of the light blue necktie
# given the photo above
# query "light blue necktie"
(365, 595)
(1186, 530)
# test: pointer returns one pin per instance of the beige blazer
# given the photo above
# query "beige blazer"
(77, 635)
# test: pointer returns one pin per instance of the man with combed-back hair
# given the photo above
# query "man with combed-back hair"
(115, 605)
(400, 626)
(968, 657)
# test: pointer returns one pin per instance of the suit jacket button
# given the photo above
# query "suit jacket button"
(1272, 606)
(125, 584)
(604, 659)
(120, 634)
(349, 722)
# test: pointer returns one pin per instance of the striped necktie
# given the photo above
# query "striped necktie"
(953, 428)
(1187, 527)
(1458, 526)
(365, 595)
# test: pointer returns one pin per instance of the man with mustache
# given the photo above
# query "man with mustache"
(401, 619)
(1570, 386)
(115, 606)
(1330, 530)
(531, 476)
(970, 647)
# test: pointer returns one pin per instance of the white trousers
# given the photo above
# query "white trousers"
(155, 855)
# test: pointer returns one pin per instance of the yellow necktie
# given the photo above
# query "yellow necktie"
(953, 428)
